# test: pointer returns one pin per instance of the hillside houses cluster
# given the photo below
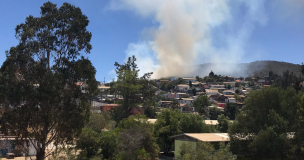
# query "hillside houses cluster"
(185, 91)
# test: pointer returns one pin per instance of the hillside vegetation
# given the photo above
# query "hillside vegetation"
(257, 68)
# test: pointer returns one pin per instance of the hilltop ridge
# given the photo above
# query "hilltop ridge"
(256, 68)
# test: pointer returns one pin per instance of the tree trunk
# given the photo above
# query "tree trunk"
(40, 154)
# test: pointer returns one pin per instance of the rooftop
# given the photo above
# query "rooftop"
(152, 120)
(207, 137)
(183, 85)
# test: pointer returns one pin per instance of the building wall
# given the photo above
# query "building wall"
(178, 144)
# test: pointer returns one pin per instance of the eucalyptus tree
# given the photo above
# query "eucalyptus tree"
(43, 105)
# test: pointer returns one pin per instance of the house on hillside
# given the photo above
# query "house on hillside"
(198, 86)
(183, 87)
(230, 100)
(232, 84)
(220, 88)
(186, 108)
(211, 91)
(164, 81)
(164, 104)
(185, 100)
(180, 95)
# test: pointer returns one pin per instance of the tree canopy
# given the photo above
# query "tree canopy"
(201, 105)
(135, 90)
(39, 90)
(265, 123)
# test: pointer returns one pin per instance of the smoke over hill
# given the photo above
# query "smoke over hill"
(258, 68)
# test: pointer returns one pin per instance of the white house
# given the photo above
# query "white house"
(183, 87)
(211, 91)
(186, 100)
(230, 100)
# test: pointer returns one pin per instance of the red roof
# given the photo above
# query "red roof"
(223, 105)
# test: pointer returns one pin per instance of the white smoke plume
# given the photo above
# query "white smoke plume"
(192, 32)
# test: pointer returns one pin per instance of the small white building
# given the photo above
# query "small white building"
(211, 91)
(230, 100)
(183, 87)
(186, 100)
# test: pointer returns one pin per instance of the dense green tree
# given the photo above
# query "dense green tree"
(302, 68)
(167, 125)
(150, 111)
(214, 112)
(223, 123)
(231, 110)
(100, 121)
(134, 90)
(89, 143)
(39, 91)
(201, 105)
(299, 134)
(211, 74)
(270, 74)
(194, 92)
(174, 104)
(190, 84)
(237, 98)
(181, 81)
(205, 151)
(136, 134)
(237, 91)
(199, 79)
(262, 126)
(229, 86)
(109, 143)
(192, 123)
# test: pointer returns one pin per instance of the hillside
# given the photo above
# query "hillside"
(257, 68)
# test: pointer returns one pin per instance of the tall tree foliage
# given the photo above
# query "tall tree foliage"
(167, 125)
(205, 151)
(262, 126)
(201, 105)
(135, 90)
(38, 91)
(136, 136)
(192, 123)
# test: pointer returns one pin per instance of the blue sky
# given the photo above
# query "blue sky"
(265, 31)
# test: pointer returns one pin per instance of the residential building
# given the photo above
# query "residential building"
(230, 100)
(185, 100)
(183, 87)
(211, 91)
(180, 95)
(192, 139)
